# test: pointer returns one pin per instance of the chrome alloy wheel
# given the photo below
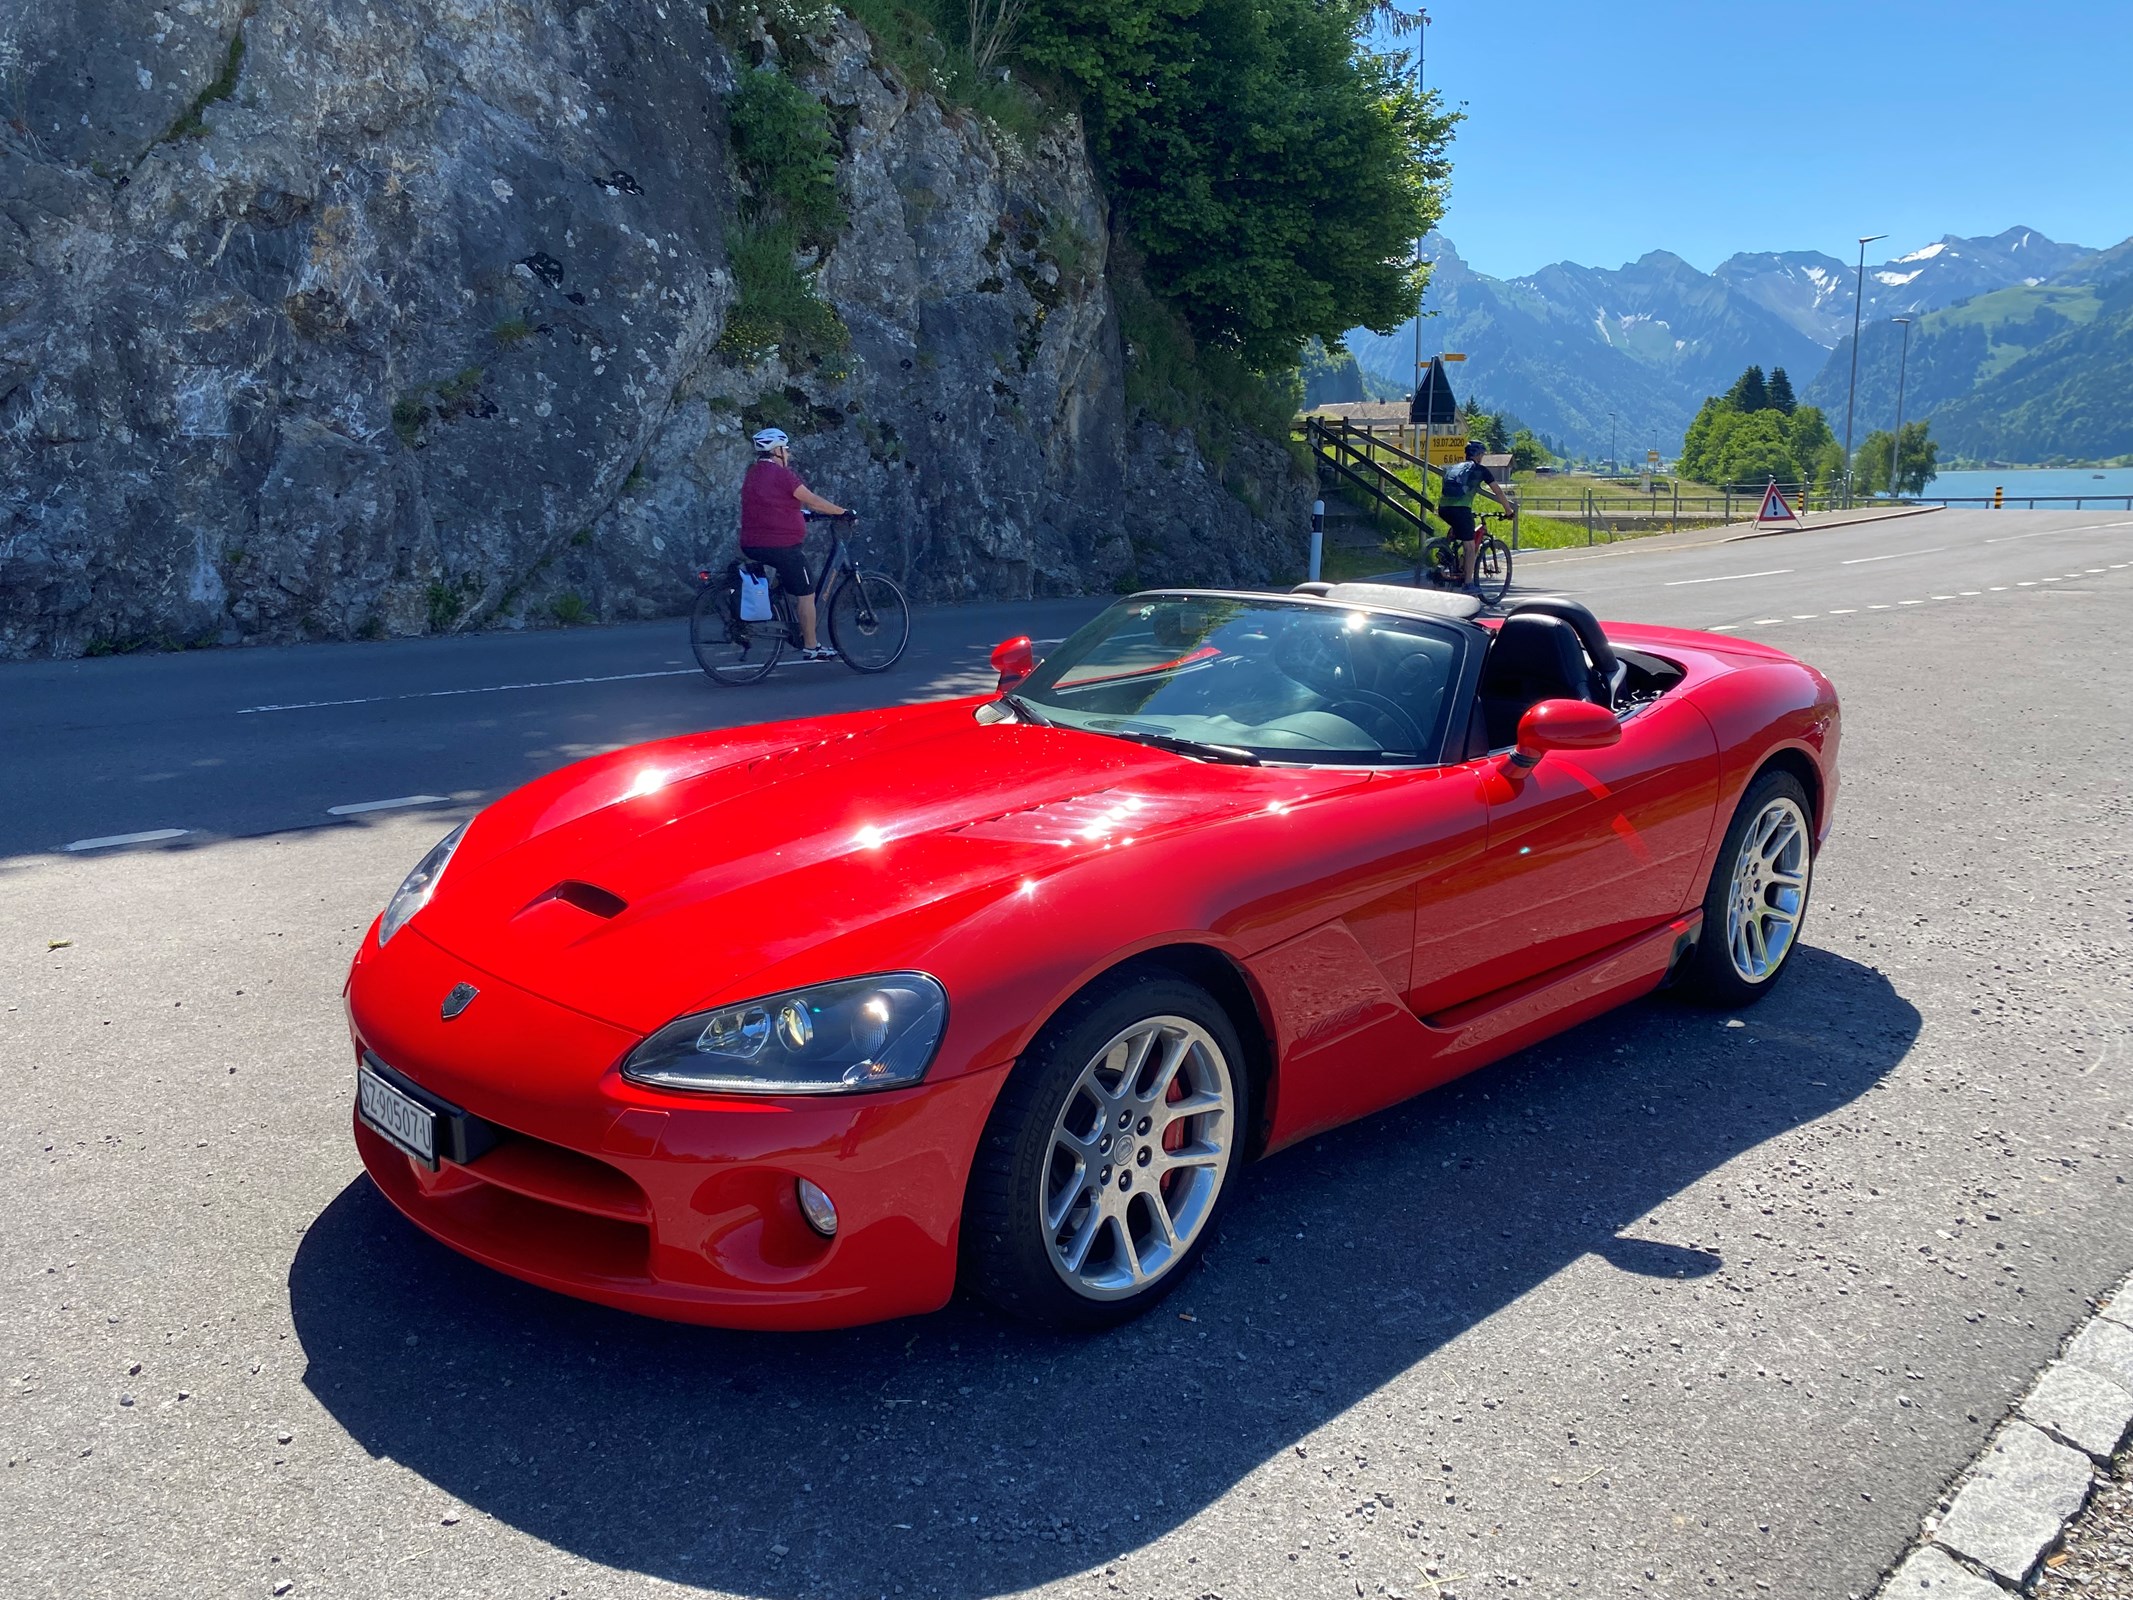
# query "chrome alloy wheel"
(1769, 890)
(1138, 1155)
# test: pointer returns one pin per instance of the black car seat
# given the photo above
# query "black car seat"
(1534, 657)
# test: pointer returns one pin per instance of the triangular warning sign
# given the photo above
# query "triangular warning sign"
(1776, 508)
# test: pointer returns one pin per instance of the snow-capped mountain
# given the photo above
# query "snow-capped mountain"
(1813, 291)
(1568, 345)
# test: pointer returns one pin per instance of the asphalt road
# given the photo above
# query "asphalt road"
(1666, 1306)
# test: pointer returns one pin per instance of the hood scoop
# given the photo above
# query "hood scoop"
(603, 903)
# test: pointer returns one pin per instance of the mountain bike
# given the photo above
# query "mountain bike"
(1444, 563)
(865, 613)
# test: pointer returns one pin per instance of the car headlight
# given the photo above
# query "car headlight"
(417, 887)
(834, 1038)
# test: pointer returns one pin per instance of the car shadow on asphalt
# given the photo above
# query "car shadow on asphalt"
(966, 1454)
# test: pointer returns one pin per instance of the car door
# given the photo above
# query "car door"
(1586, 849)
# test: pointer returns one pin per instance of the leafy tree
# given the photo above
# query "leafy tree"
(1916, 456)
(1781, 396)
(1528, 452)
(1272, 168)
(1749, 392)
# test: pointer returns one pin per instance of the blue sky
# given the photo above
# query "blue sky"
(1598, 132)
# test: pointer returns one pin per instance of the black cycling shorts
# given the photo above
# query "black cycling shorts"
(1459, 521)
(787, 561)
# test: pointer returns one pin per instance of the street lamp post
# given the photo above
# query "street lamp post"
(1614, 463)
(1896, 444)
(1852, 394)
(1421, 48)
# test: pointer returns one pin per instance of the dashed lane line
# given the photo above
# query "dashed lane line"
(113, 840)
(1730, 577)
(361, 806)
(1890, 605)
(2046, 533)
(1893, 554)
(487, 688)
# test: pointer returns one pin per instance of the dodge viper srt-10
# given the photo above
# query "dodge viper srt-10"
(800, 1025)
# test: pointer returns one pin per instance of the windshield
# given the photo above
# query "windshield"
(1281, 679)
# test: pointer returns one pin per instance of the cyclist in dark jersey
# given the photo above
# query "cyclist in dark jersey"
(1455, 503)
(773, 529)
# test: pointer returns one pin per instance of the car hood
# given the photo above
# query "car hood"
(658, 880)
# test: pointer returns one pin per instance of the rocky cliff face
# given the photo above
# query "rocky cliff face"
(344, 318)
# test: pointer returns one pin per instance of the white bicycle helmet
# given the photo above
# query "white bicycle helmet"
(769, 439)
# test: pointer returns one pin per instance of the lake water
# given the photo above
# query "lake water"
(2021, 482)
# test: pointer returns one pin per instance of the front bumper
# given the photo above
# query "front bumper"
(678, 1206)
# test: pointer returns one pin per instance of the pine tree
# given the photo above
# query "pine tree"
(1781, 397)
(1749, 392)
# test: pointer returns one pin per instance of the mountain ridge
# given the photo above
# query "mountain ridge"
(1620, 358)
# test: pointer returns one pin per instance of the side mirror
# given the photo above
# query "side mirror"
(1563, 725)
(1014, 660)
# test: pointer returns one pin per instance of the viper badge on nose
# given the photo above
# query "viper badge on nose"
(458, 1000)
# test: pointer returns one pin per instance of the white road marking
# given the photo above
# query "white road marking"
(1944, 597)
(1774, 572)
(1724, 627)
(1877, 608)
(1998, 588)
(1805, 616)
(1910, 602)
(362, 806)
(1893, 554)
(1764, 622)
(1843, 611)
(109, 840)
(487, 688)
(2046, 533)
(1971, 594)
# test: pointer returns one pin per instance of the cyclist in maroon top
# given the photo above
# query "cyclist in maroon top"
(773, 529)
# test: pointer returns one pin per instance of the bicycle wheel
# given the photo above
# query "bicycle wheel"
(1440, 563)
(869, 622)
(729, 650)
(1492, 573)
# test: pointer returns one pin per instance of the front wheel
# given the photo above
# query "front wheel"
(869, 621)
(1757, 897)
(1492, 572)
(1108, 1156)
(729, 650)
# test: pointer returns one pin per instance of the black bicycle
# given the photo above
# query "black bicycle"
(868, 620)
(1444, 563)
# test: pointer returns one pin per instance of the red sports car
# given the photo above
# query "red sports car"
(798, 1026)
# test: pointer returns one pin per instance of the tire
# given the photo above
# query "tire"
(869, 622)
(1756, 903)
(1440, 563)
(1492, 573)
(729, 650)
(1058, 1227)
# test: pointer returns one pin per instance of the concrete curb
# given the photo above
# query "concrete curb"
(2011, 1507)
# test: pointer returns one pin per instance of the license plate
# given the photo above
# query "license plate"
(402, 1119)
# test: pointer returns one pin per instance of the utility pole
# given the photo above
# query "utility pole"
(1614, 465)
(1896, 444)
(1852, 394)
(1421, 48)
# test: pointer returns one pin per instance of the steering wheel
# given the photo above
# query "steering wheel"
(1371, 702)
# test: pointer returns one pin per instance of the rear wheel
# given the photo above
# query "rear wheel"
(1757, 897)
(869, 621)
(1440, 563)
(729, 650)
(1109, 1155)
